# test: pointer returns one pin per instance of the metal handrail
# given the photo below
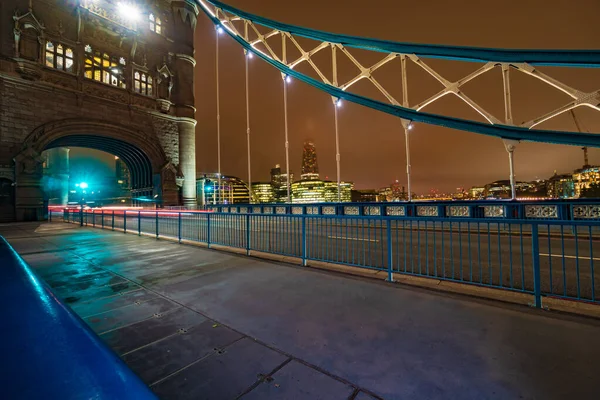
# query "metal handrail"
(48, 351)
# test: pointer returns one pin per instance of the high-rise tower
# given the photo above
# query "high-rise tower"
(310, 167)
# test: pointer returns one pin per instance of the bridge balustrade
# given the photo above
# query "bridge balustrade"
(516, 248)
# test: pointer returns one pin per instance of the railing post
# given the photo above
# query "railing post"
(389, 250)
(113, 220)
(304, 252)
(157, 224)
(124, 221)
(208, 230)
(49, 215)
(179, 227)
(102, 216)
(81, 216)
(535, 250)
(139, 223)
(93, 218)
(247, 234)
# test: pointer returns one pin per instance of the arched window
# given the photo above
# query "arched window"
(104, 68)
(155, 23)
(142, 83)
(59, 57)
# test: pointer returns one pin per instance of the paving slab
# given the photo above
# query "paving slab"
(97, 306)
(132, 337)
(299, 382)
(223, 375)
(123, 316)
(159, 360)
(364, 396)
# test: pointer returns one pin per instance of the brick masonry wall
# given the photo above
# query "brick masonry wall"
(26, 105)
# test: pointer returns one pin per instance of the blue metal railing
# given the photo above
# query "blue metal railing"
(534, 256)
(48, 351)
(559, 210)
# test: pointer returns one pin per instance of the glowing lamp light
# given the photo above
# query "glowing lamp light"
(83, 185)
(129, 11)
(250, 55)
(288, 79)
(219, 29)
(338, 103)
(410, 126)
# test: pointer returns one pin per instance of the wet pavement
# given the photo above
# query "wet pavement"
(195, 323)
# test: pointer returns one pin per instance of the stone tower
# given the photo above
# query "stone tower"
(116, 76)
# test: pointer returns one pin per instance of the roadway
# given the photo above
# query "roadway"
(488, 254)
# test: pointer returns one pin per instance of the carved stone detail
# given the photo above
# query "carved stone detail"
(96, 89)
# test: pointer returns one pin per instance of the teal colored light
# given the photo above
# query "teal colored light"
(83, 185)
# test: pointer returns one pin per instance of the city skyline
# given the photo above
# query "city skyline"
(372, 148)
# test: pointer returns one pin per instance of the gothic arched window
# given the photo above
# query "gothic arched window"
(155, 23)
(102, 67)
(142, 83)
(59, 57)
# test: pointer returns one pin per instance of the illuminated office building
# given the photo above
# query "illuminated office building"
(318, 191)
(364, 196)
(279, 183)
(263, 192)
(310, 166)
(584, 177)
(561, 186)
(233, 190)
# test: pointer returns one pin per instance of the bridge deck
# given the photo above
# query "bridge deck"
(196, 323)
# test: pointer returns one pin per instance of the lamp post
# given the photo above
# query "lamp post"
(286, 80)
(407, 125)
(82, 186)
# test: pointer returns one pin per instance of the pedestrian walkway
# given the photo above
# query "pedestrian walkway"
(202, 324)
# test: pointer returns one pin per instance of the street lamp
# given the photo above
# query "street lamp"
(129, 11)
(82, 186)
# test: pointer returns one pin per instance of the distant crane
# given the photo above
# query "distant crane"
(586, 162)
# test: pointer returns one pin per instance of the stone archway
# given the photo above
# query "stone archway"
(151, 174)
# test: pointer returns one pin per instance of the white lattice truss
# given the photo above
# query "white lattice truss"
(250, 33)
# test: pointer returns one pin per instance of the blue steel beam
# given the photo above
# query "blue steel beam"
(586, 58)
(591, 57)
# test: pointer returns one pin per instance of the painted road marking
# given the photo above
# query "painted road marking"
(349, 238)
(567, 256)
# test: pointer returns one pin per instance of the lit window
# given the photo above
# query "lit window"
(155, 24)
(104, 68)
(142, 83)
(59, 57)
